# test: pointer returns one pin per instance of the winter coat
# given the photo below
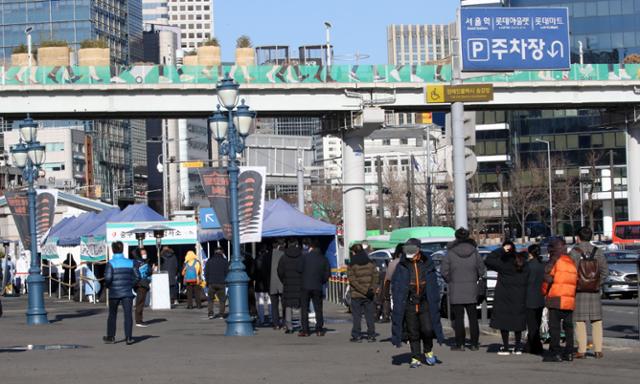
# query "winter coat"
(560, 282)
(169, 264)
(263, 271)
(216, 269)
(461, 269)
(120, 277)
(290, 277)
(535, 298)
(400, 294)
(509, 302)
(275, 284)
(588, 304)
(315, 270)
(363, 276)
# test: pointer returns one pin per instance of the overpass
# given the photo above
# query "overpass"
(337, 94)
(143, 91)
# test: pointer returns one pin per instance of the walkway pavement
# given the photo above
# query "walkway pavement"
(183, 346)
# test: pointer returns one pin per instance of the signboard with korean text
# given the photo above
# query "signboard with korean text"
(182, 232)
(459, 93)
(507, 39)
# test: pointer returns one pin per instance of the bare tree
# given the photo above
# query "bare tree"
(566, 198)
(475, 210)
(591, 205)
(326, 202)
(527, 185)
(395, 201)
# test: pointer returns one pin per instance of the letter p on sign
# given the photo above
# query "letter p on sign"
(478, 50)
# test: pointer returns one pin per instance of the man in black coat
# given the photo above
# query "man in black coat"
(315, 270)
(169, 264)
(120, 277)
(291, 280)
(215, 273)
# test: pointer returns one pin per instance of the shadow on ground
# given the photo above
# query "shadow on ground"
(77, 314)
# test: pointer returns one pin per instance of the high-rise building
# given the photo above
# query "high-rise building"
(117, 22)
(419, 44)
(155, 12)
(195, 19)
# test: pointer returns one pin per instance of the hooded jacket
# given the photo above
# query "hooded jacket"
(560, 282)
(400, 286)
(461, 269)
(169, 263)
(315, 270)
(120, 276)
(290, 277)
(216, 269)
(362, 274)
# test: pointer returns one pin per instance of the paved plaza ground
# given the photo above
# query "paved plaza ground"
(183, 346)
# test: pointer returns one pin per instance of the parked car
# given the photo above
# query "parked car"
(623, 274)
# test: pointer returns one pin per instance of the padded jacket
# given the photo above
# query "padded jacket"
(120, 277)
(560, 282)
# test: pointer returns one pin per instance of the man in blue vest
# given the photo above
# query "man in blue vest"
(120, 277)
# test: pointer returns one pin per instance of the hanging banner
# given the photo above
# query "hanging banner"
(50, 249)
(251, 192)
(93, 248)
(45, 212)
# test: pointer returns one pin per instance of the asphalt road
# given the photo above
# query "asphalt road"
(183, 346)
(621, 318)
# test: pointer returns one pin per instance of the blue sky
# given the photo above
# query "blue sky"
(358, 25)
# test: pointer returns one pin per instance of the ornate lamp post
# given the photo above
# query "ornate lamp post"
(28, 155)
(230, 128)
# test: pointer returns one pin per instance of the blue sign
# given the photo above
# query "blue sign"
(208, 219)
(507, 39)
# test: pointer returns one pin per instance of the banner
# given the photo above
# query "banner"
(45, 212)
(93, 248)
(50, 249)
(251, 191)
(182, 232)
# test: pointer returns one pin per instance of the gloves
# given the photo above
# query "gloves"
(370, 294)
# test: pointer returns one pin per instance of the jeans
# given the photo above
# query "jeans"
(316, 297)
(127, 305)
(419, 328)
(458, 323)
(276, 301)
(556, 316)
(534, 319)
(190, 291)
(358, 306)
(141, 298)
(216, 290)
(263, 301)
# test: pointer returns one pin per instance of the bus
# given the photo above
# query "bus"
(626, 232)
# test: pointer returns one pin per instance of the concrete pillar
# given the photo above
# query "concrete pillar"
(354, 213)
(183, 150)
(171, 168)
(607, 217)
(633, 176)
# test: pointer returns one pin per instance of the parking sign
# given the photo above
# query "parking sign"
(507, 39)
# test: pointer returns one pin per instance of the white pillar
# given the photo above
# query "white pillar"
(633, 176)
(183, 150)
(607, 219)
(354, 214)
(172, 169)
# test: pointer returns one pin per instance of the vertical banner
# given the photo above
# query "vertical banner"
(251, 192)
(45, 212)
(93, 248)
(215, 182)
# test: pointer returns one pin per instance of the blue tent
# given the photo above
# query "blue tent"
(66, 236)
(282, 220)
(59, 228)
(205, 235)
(133, 213)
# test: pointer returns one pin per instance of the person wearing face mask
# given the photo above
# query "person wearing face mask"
(416, 304)
(144, 267)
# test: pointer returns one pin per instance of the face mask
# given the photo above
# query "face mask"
(411, 257)
(144, 257)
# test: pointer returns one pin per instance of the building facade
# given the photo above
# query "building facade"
(419, 44)
(195, 20)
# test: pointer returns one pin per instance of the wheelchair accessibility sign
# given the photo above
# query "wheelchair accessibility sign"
(507, 39)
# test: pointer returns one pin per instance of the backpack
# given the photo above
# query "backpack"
(588, 272)
(191, 274)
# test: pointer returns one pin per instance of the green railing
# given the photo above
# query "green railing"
(289, 74)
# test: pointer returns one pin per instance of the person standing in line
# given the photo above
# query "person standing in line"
(145, 269)
(169, 264)
(191, 278)
(593, 270)
(275, 286)
(250, 269)
(263, 279)
(509, 303)
(363, 280)
(291, 280)
(535, 300)
(462, 269)
(215, 273)
(416, 304)
(120, 277)
(559, 288)
(315, 270)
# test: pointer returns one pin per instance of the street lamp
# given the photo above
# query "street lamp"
(550, 189)
(230, 128)
(28, 155)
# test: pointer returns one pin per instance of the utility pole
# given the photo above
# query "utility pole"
(457, 140)
(501, 187)
(409, 197)
(380, 194)
(300, 176)
(613, 191)
(165, 174)
(428, 169)
(412, 184)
